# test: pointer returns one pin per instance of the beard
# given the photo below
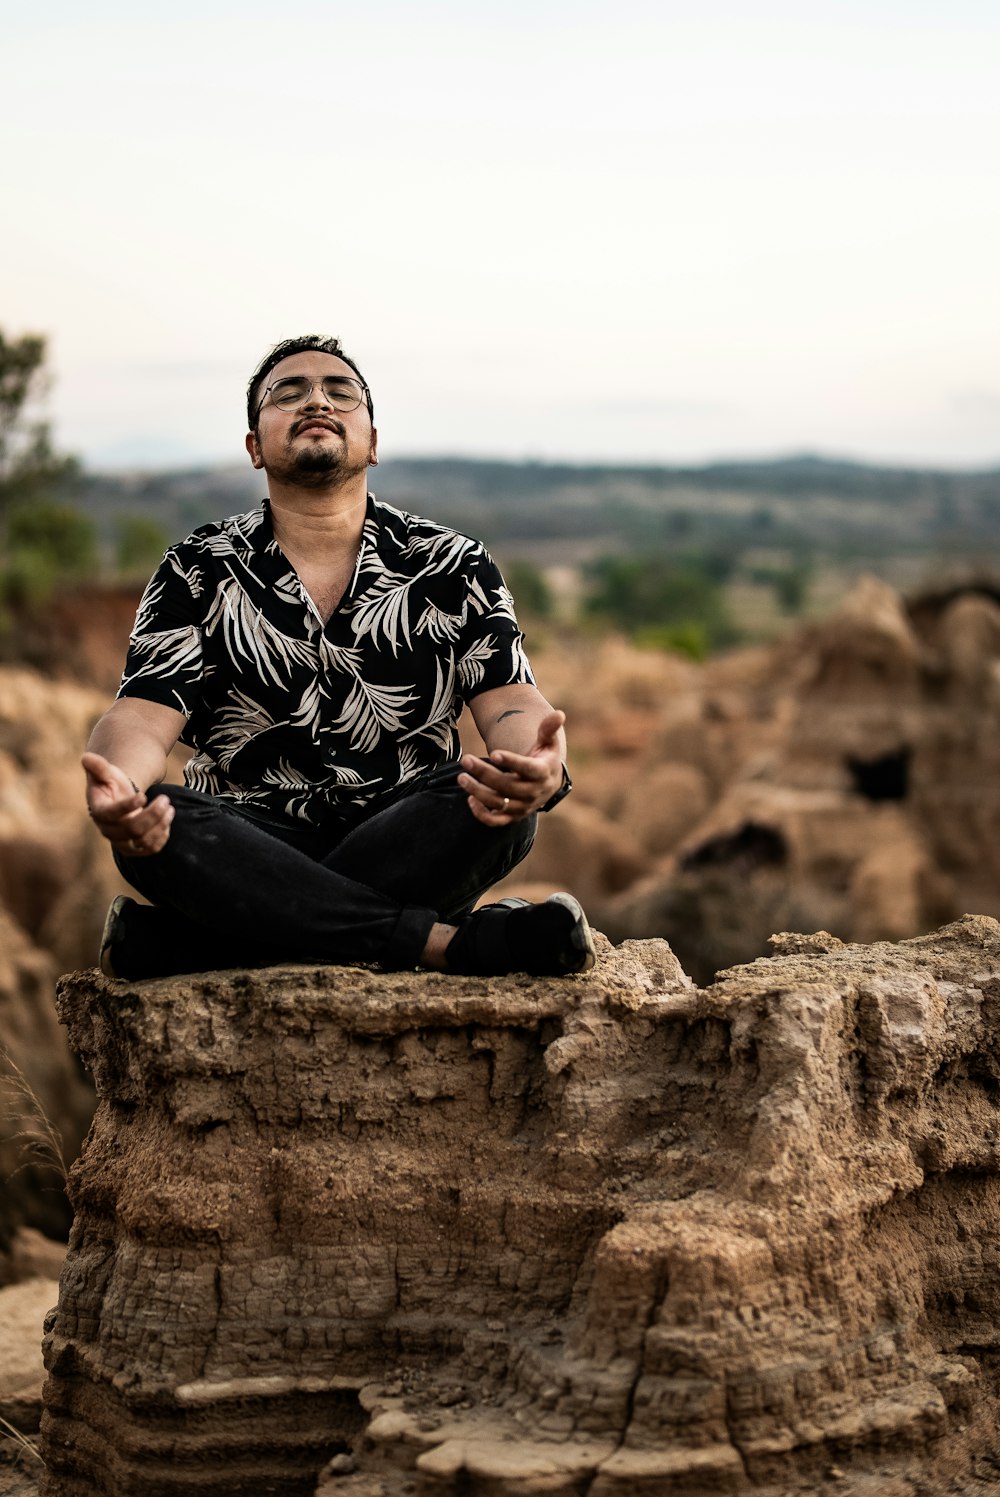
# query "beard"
(317, 464)
(316, 467)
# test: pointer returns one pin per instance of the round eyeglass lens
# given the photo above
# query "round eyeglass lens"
(342, 394)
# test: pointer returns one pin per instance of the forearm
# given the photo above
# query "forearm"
(514, 727)
(527, 748)
(131, 745)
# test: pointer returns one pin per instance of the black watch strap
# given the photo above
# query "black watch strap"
(561, 793)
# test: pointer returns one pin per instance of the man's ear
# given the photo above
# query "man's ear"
(373, 455)
(253, 447)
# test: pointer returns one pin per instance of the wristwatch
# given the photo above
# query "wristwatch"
(561, 793)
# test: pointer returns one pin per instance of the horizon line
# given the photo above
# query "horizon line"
(779, 458)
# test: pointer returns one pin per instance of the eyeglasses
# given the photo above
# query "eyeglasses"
(293, 392)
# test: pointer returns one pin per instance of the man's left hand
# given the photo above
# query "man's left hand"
(508, 787)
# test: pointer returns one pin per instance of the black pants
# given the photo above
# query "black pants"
(240, 887)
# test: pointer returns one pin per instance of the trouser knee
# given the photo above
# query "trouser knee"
(191, 832)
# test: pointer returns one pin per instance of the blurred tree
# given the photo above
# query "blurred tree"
(139, 544)
(43, 537)
(686, 639)
(791, 587)
(58, 530)
(790, 582)
(28, 465)
(661, 598)
(532, 594)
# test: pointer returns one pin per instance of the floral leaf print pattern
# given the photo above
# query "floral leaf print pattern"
(309, 713)
(520, 666)
(371, 709)
(383, 611)
(409, 763)
(311, 719)
(168, 651)
(219, 545)
(341, 658)
(472, 666)
(284, 775)
(302, 790)
(445, 549)
(192, 576)
(288, 590)
(146, 613)
(442, 703)
(504, 605)
(238, 723)
(250, 635)
(438, 625)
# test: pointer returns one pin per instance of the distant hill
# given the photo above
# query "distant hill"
(801, 504)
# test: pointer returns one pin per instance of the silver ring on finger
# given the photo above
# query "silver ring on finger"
(506, 803)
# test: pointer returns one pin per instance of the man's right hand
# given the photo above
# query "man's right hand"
(135, 827)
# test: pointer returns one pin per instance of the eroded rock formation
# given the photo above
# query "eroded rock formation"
(56, 878)
(45, 1104)
(845, 778)
(609, 1235)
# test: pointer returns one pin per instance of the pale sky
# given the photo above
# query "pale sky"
(621, 231)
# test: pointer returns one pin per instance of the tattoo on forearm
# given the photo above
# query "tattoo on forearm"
(513, 712)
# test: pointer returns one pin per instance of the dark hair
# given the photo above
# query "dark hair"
(309, 343)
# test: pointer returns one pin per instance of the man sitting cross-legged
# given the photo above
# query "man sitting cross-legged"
(316, 654)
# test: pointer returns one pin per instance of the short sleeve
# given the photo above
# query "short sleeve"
(164, 661)
(490, 645)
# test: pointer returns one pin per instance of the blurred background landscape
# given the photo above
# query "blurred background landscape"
(781, 677)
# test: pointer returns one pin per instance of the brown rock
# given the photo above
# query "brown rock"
(659, 1240)
(867, 648)
(580, 850)
(659, 807)
(613, 695)
(33, 1256)
(23, 1308)
(56, 873)
(80, 635)
(45, 1105)
(767, 857)
(968, 637)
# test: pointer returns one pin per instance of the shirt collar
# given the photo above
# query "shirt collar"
(261, 537)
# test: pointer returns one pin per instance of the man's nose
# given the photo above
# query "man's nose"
(317, 397)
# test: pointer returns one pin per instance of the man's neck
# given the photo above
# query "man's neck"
(321, 523)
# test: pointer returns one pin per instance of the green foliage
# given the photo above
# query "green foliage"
(27, 579)
(57, 531)
(532, 594)
(41, 538)
(44, 543)
(791, 587)
(28, 465)
(689, 639)
(139, 544)
(790, 583)
(660, 599)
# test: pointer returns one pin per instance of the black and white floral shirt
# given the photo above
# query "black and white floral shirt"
(310, 720)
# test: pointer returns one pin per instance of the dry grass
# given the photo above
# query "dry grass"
(25, 1446)
(39, 1140)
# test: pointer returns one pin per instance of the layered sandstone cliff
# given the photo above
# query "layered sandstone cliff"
(605, 1235)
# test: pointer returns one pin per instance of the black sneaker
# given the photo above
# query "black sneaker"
(114, 932)
(551, 939)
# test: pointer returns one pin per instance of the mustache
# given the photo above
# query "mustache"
(333, 426)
